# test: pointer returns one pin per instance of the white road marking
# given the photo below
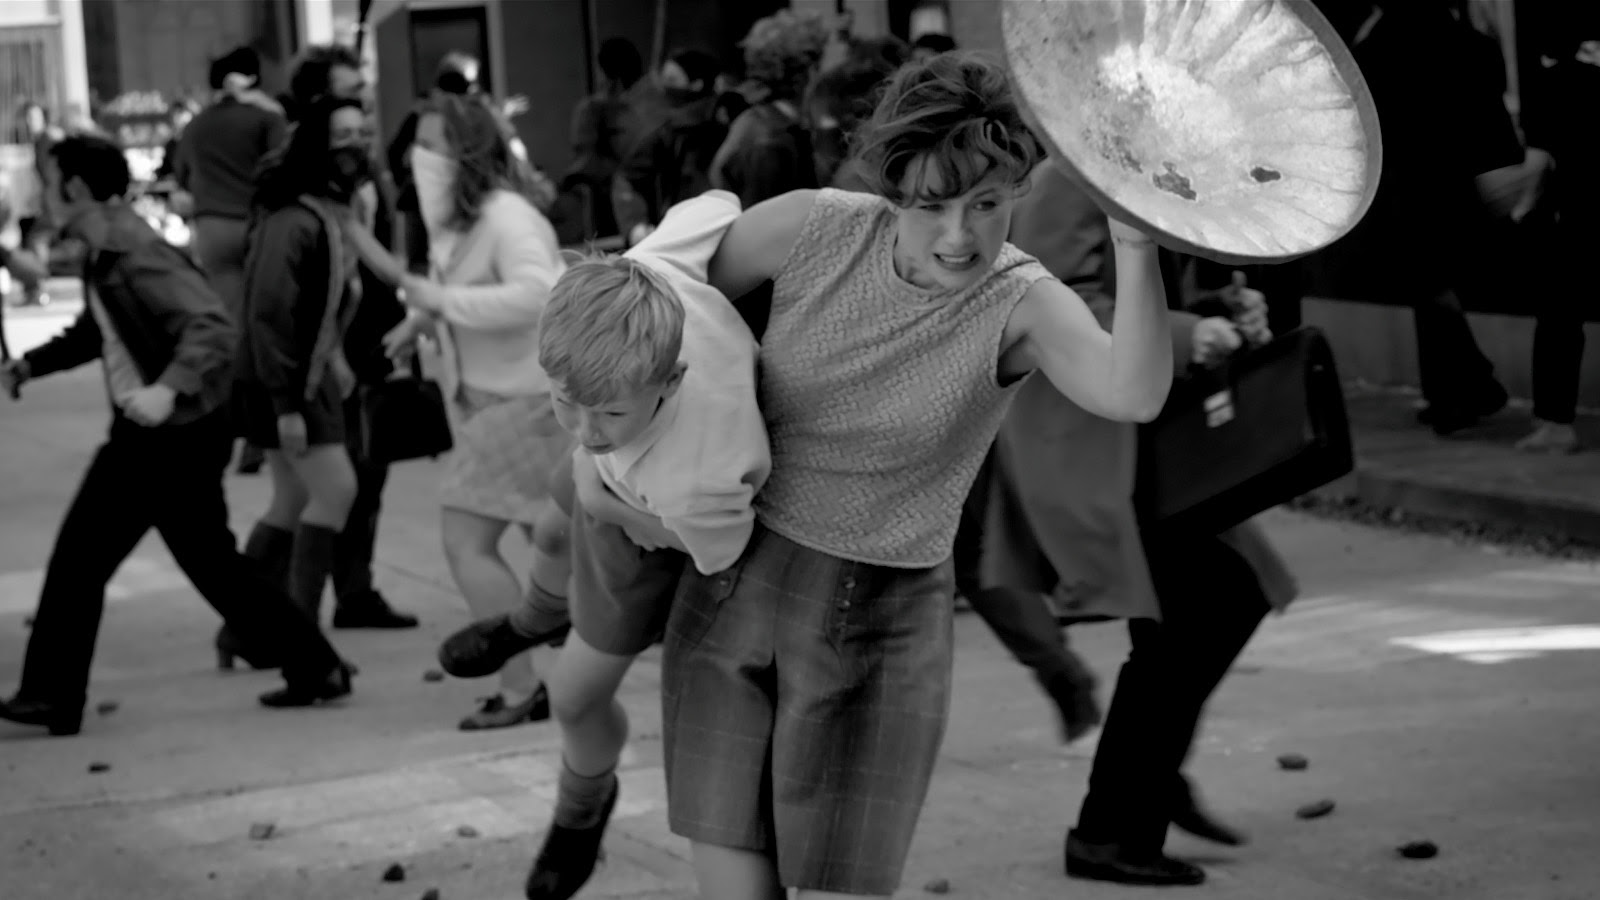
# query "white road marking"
(1496, 645)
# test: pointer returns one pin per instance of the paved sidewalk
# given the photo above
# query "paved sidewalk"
(1474, 475)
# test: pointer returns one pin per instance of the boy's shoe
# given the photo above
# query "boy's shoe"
(494, 712)
(568, 856)
(484, 647)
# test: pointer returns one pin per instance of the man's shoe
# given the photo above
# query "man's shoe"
(568, 856)
(1190, 816)
(336, 685)
(62, 721)
(484, 647)
(371, 611)
(1111, 862)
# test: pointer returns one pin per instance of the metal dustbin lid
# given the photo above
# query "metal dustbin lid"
(1239, 130)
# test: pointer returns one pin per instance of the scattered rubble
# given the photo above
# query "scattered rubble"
(395, 873)
(260, 831)
(937, 886)
(107, 707)
(1418, 850)
(466, 831)
(1315, 810)
(1293, 762)
(432, 675)
(97, 767)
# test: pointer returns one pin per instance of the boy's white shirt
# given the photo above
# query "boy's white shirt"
(700, 462)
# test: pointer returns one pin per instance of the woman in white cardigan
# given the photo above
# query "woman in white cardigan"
(492, 260)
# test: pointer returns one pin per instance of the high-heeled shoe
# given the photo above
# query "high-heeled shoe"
(231, 648)
(333, 686)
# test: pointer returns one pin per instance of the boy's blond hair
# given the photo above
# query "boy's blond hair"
(613, 326)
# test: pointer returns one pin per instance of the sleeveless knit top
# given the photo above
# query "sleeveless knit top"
(881, 398)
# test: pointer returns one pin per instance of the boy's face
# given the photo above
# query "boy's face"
(608, 427)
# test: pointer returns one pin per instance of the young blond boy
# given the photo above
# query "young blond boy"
(654, 372)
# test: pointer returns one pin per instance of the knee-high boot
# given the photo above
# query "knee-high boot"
(310, 566)
(269, 548)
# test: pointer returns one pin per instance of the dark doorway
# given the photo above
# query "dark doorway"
(436, 33)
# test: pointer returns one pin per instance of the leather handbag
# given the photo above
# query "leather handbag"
(403, 417)
(1264, 427)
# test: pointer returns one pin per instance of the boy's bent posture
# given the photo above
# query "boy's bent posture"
(653, 372)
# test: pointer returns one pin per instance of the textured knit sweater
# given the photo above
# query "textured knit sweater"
(881, 398)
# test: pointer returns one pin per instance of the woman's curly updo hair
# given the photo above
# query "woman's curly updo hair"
(782, 50)
(953, 116)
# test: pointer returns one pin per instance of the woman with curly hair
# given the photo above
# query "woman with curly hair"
(768, 152)
(805, 688)
(493, 258)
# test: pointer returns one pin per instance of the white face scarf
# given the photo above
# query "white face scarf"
(435, 177)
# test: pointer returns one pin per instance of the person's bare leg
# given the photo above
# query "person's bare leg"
(545, 607)
(729, 873)
(472, 547)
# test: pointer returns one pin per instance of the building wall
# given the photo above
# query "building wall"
(168, 45)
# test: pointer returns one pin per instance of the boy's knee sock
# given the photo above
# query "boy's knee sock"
(580, 799)
(541, 612)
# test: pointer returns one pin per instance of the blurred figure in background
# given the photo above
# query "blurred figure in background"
(840, 99)
(673, 162)
(36, 130)
(217, 159)
(1559, 119)
(605, 127)
(768, 151)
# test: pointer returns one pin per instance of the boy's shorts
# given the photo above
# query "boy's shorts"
(621, 593)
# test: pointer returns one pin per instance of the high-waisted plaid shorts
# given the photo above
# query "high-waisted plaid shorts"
(805, 700)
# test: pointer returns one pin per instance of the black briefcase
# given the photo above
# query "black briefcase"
(1262, 428)
(403, 418)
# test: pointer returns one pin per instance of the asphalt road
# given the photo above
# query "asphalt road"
(1440, 691)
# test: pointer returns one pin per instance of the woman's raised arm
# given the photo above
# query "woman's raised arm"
(1124, 375)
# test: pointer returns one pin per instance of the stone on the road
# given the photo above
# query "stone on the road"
(1419, 850)
(1315, 810)
(432, 675)
(938, 886)
(107, 707)
(98, 767)
(1293, 762)
(430, 894)
(394, 873)
(466, 831)
(260, 831)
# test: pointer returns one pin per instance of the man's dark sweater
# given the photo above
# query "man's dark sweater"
(219, 153)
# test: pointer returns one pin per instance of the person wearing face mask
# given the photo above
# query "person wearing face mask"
(673, 163)
(493, 258)
(302, 290)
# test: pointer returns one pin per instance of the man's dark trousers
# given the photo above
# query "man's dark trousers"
(168, 478)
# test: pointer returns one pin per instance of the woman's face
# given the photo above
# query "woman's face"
(348, 128)
(949, 244)
(430, 135)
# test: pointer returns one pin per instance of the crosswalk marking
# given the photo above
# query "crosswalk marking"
(390, 815)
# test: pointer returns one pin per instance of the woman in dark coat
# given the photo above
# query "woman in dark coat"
(302, 288)
(1059, 520)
